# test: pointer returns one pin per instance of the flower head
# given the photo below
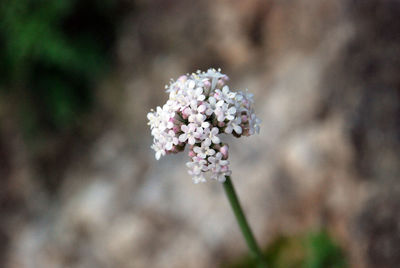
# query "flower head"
(200, 108)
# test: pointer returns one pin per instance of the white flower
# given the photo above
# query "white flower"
(213, 75)
(225, 94)
(159, 150)
(213, 104)
(230, 113)
(224, 112)
(154, 118)
(170, 139)
(161, 118)
(220, 112)
(196, 94)
(190, 133)
(197, 167)
(190, 84)
(197, 116)
(210, 136)
(254, 124)
(219, 167)
(178, 101)
(199, 120)
(203, 151)
(234, 125)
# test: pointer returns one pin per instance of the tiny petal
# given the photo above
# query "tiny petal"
(238, 129)
(216, 140)
(183, 137)
(192, 140)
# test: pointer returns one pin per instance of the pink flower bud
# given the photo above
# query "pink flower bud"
(224, 151)
(221, 124)
(244, 118)
(176, 129)
(191, 153)
(196, 158)
(182, 78)
(185, 113)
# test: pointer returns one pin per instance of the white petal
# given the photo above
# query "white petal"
(216, 140)
(205, 125)
(220, 103)
(201, 108)
(192, 140)
(183, 137)
(238, 129)
(192, 127)
(207, 142)
(212, 100)
(200, 117)
(232, 110)
(191, 84)
(168, 146)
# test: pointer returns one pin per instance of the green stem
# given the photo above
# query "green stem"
(255, 251)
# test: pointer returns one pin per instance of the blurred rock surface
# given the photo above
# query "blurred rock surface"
(326, 79)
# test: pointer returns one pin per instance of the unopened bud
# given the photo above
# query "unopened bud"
(191, 153)
(182, 78)
(176, 129)
(185, 113)
(220, 83)
(224, 151)
(207, 84)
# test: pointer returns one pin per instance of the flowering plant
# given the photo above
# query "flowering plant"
(200, 108)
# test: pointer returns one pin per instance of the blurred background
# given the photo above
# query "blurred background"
(79, 185)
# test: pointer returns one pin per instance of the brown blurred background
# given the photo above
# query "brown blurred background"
(79, 185)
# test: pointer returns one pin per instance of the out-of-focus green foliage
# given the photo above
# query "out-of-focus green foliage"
(314, 250)
(323, 252)
(51, 53)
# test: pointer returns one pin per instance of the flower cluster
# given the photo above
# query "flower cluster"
(200, 108)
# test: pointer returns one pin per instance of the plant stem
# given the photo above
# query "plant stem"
(255, 251)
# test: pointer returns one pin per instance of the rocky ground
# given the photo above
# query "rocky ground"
(325, 77)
